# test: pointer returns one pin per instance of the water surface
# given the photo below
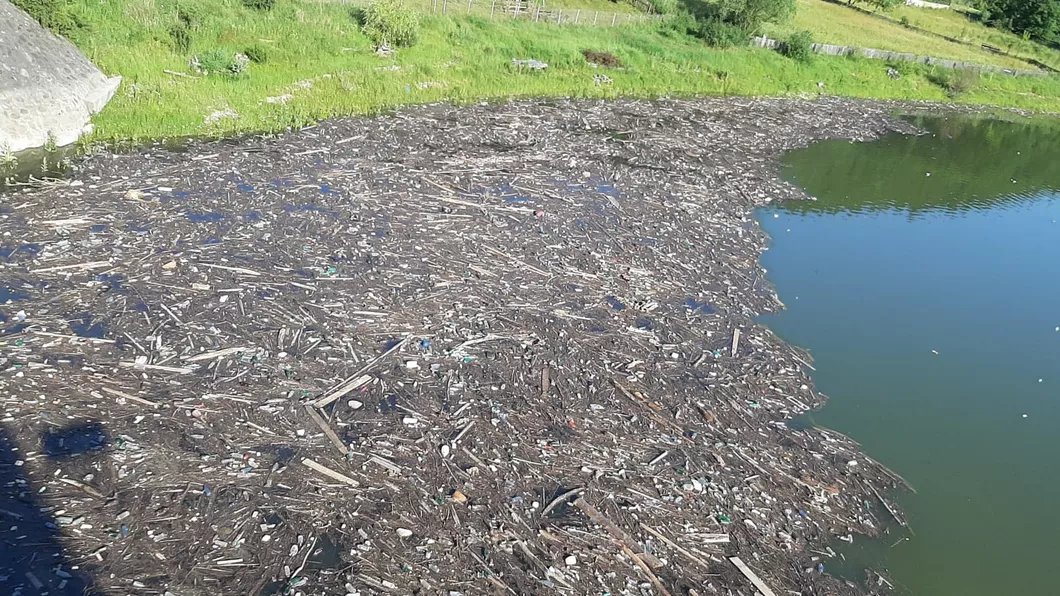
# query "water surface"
(926, 283)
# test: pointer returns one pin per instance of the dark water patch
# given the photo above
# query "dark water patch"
(97, 228)
(137, 227)
(244, 187)
(180, 194)
(115, 281)
(14, 329)
(11, 295)
(327, 554)
(27, 250)
(85, 325)
(252, 216)
(695, 305)
(211, 241)
(615, 303)
(207, 217)
(389, 403)
(75, 440)
(645, 324)
(326, 189)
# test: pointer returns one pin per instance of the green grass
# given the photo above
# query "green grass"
(325, 67)
(960, 25)
(841, 25)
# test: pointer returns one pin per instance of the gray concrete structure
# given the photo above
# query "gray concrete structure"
(48, 88)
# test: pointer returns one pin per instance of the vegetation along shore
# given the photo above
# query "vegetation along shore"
(225, 67)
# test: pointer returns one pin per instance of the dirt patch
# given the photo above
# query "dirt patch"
(602, 59)
(455, 350)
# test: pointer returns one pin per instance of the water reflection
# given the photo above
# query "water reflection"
(960, 165)
(928, 303)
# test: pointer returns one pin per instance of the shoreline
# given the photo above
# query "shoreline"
(506, 307)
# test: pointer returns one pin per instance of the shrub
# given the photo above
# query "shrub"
(666, 6)
(260, 4)
(799, 47)
(955, 82)
(904, 21)
(181, 38)
(220, 62)
(55, 15)
(678, 26)
(605, 59)
(257, 54)
(391, 22)
(750, 15)
(192, 15)
(719, 34)
(883, 5)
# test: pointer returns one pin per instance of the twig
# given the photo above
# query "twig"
(329, 472)
(750, 575)
(676, 546)
(129, 397)
(560, 499)
(648, 572)
(330, 434)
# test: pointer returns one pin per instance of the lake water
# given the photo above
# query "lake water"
(926, 283)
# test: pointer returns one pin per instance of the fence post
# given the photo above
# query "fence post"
(492, 8)
(468, 6)
(596, 16)
(613, 17)
(577, 15)
(537, 16)
(434, 6)
(444, 2)
(516, 14)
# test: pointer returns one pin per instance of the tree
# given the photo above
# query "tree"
(1037, 19)
(750, 15)
(884, 5)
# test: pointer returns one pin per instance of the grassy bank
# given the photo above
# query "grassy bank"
(842, 25)
(317, 64)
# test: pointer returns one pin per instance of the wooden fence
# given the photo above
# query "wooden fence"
(530, 10)
(538, 12)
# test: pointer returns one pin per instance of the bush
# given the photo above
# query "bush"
(666, 6)
(220, 62)
(955, 82)
(181, 38)
(55, 15)
(883, 5)
(257, 54)
(904, 21)
(605, 59)
(799, 47)
(391, 22)
(191, 15)
(750, 15)
(719, 34)
(260, 4)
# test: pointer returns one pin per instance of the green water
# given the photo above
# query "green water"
(946, 243)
